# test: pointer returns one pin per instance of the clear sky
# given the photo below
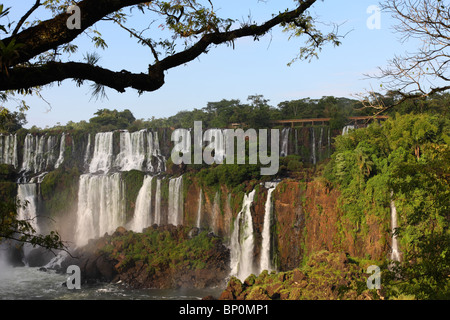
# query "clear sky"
(225, 73)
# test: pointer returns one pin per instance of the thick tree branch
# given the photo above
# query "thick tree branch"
(52, 33)
(32, 76)
(28, 77)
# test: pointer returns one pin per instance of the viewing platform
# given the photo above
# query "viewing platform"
(323, 121)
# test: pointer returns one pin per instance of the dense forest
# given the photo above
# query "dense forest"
(257, 112)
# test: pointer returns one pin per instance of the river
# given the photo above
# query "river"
(26, 283)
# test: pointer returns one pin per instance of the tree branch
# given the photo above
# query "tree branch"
(25, 17)
(39, 75)
(52, 33)
(28, 77)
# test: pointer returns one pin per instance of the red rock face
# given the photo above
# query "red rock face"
(307, 218)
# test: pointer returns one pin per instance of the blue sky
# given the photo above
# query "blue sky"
(251, 68)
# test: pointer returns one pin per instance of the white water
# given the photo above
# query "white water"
(62, 148)
(266, 261)
(313, 147)
(38, 153)
(8, 150)
(199, 210)
(132, 151)
(27, 195)
(395, 254)
(100, 206)
(284, 142)
(143, 210)
(103, 153)
(175, 214)
(346, 129)
(216, 213)
(24, 283)
(153, 152)
(242, 241)
(88, 150)
(158, 202)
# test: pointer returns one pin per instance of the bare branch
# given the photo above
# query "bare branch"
(25, 17)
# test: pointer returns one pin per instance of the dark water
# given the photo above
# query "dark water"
(24, 283)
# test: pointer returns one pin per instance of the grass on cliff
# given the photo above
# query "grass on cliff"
(162, 249)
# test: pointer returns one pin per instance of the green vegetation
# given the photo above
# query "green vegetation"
(162, 249)
(133, 181)
(11, 228)
(408, 155)
(326, 276)
(59, 190)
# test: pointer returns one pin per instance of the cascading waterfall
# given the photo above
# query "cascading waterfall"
(395, 254)
(103, 153)
(329, 142)
(27, 211)
(242, 241)
(313, 146)
(175, 216)
(320, 142)
(266, 262)
(27, 196)
(346, 129)
(88, 150)
(38, 153)
(199, 210)
(284, 142)
(216, 213)
(153, 152)
(132, 151)
(158, 202)
(62, 148)
(8, 150)
(143, 210)
(101, 206)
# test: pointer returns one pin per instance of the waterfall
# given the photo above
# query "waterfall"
(175, 216)
(132, 151)
(320, 143)
(158, 202)
(216, 213)
(313, 146)
(88, 150)
(242, 241)
(284, 142)
(143, 210)
(103, 152)
(346, 129)
(329, 142)
(8, 150)
(101, 206)
(266, 263)
(199, 210)
(38, 153)
(395, 254)
(153, 152)
(62, 148)
(27, 195)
